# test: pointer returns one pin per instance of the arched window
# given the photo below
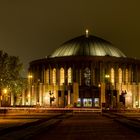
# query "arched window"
(54, 76)
(112, 76)
(87, 76)
(120, 75)
(126, 75)
(61, 76)
(69, 75)
(47, 76)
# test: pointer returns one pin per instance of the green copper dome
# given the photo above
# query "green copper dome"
(87, 46)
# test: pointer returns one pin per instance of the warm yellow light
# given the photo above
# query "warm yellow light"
(28, 95)
(30, 76)
(99, 85)
(61, 76)
(5, 90)
(54, 76)
(46, 97)
(107, 76)
(87, 32)
(137, 103)
(69, 75)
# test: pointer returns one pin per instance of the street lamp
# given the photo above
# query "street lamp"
(30, 77)
(5, 95)
(107, 76)
(109, 92)
(5, 91)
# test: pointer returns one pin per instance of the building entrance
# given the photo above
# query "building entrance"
(87, 102)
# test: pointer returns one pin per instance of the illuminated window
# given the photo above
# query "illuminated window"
(54, 76)
(96, 102)
(87, 76)
(120, 75)
(61, 76)
(79, 102)
(126, 75)
(47, 76)
(69, 75)
(112, 76)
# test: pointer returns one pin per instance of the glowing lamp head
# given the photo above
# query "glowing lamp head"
(87, 33)
(107, 76)
(30, 76)
(5, 90)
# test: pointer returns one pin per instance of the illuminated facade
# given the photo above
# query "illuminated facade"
(86, 71)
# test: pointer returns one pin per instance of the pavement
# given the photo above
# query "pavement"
(88, 127)
(129, 119)
(18, 125)
(76, 126)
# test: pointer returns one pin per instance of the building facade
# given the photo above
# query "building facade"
(86, 71)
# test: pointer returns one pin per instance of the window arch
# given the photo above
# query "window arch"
(112, 76)
(54, 76)
(61, 76)
(69, 75)
(120, 75)
(126, 75)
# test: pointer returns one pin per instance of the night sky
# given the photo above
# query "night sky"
(33, 29)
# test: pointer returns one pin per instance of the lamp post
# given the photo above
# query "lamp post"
(109, 92)
(5, 92)
(30, 77)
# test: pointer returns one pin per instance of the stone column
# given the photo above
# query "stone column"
(43, 95)
(119, 90)
(23, 98)
(44, 75)
(29, 95)
(75, 92)
(134, 95)
(40, 94)
(129, 75)
(139, 94)
(61, 99)
(57, 76)
(129, 97)
(68, 97)
(12, 99)
(33, 95)
(56, 95)
(103, 100)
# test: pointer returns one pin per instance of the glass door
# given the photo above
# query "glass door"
(87, 102)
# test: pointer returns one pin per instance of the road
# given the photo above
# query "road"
(88, 127)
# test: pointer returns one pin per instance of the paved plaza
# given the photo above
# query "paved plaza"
(89, 127)
(67, 126)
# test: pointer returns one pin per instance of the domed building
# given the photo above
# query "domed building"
(86, 71)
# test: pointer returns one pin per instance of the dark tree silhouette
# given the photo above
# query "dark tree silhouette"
(10, 78)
